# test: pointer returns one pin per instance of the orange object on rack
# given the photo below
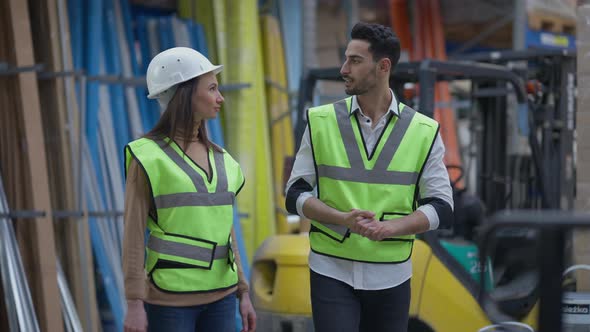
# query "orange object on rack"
(429, 43)
(398, 14)
(446, 115)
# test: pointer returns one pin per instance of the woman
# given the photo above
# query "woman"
(182, 187)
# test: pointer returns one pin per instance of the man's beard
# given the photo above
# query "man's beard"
(361, 88)
(355, 91)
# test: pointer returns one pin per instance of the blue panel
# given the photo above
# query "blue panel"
(152, 112)
(201, 40)
(90, 41)
(291, 19)
(147, 106)
(93, 43)
(142, 36)
(523, 119)
(165, 33)
(105, 272)
(140, 92)
(75, 10)
(549, 40)
(112, 54)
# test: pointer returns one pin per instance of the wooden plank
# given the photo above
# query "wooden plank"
(88, 315)
(11, 128)
(83, 287)
(51, 95)
(12, 161)
(70, 234)
(5, 141)
(546, 21)
(41, 235)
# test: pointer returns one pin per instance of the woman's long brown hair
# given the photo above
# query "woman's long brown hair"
(178, 118)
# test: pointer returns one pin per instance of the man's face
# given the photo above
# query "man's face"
(359, 70)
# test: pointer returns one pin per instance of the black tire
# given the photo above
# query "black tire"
(416, 325)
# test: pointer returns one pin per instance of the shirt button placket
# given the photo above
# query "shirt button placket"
(357, 275)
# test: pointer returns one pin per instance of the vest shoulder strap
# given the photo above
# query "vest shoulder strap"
(139, 143)
(420, 117)
(323, 110)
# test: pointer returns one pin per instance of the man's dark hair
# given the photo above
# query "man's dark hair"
(383, 43)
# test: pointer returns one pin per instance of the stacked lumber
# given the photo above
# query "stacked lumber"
(23, 162)
(546, 21)
(38, 152)
(557, 16)
(60, 116)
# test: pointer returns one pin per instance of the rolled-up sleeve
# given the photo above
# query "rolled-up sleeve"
(436, 194)
(302, 182)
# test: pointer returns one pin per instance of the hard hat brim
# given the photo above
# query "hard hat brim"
(216, 69)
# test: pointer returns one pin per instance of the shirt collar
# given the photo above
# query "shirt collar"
(393, 107)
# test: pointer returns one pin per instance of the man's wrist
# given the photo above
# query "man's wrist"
(342, 218)
(391, 227)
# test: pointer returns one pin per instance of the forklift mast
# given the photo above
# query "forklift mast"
(545, 177)
(551, 77)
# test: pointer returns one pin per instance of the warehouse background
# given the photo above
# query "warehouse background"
(72, 94)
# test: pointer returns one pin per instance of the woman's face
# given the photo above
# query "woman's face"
(207, 99)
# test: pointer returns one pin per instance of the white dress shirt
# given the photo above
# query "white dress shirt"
(434, 182)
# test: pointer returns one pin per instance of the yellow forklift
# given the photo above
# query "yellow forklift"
(446, 292)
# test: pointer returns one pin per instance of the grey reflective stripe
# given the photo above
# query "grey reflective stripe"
(220, 169)
(194, 199)
(395, 138)
(186, 250)
(178, 160)
(347, 134)
(367, 176)
(342, 230)
(357, 171)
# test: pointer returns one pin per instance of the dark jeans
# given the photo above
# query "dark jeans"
(337, 307)
(217, 316)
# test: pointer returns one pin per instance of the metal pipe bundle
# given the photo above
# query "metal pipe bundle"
(17, 296)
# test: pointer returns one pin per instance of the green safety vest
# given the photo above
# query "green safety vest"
(189, 244)
(385, 182)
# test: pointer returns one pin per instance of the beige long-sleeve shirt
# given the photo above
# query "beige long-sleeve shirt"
(137, 285)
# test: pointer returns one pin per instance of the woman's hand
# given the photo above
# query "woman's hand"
(247, 313)
(136, 319)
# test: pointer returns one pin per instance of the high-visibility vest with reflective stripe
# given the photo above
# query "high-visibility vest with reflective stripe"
(385, 182)
(189, 247)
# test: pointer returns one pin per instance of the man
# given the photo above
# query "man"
(370, 175)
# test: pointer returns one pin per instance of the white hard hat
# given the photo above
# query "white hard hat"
(172, 67)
